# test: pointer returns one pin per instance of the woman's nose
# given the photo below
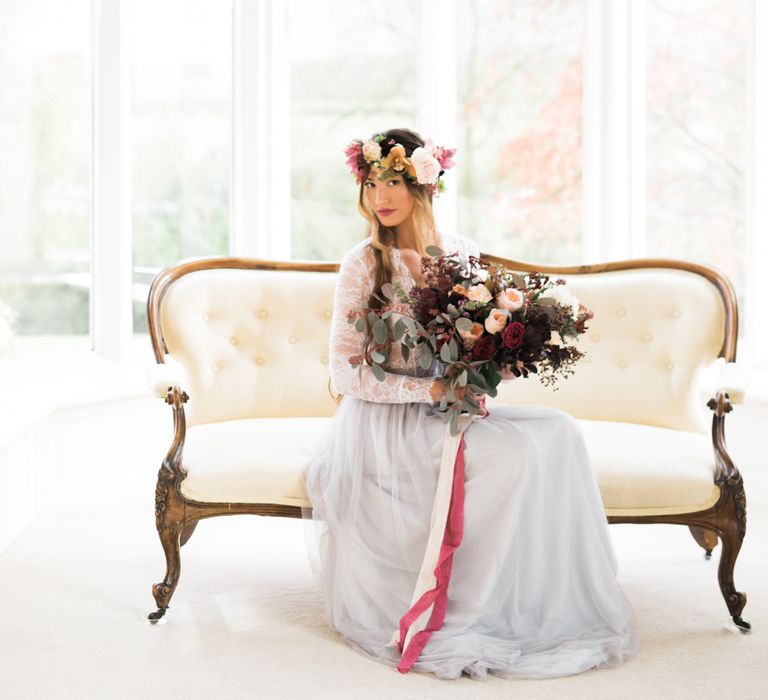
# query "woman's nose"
(381, 195)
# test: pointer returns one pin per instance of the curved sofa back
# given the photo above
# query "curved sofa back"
(252, 337)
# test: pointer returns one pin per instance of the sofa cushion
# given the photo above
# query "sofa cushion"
(641, 470)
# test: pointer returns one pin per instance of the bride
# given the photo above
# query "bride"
(516, 579)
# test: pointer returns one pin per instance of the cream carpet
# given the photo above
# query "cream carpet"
(246, 620)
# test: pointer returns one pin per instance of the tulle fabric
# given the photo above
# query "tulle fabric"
(533, 591)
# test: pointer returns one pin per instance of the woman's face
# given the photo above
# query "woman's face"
(390, 199)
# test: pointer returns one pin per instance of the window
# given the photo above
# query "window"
(181, 134)
(697, 132)
(586, 130)
(519, 149)
(45, 177)
(353, 72)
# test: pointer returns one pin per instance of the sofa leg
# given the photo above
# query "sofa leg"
(169, 520)
(707, 539)
(188, 529)
(732, 526)
(162, 591)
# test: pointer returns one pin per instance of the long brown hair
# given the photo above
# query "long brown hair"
(383, 237)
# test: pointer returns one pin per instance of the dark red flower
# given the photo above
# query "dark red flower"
(484, 349)
(512, 335)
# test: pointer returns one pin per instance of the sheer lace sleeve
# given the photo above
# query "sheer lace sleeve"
(353, 287)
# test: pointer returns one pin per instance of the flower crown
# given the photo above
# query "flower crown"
(425, 166)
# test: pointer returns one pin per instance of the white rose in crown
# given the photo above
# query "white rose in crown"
(479, 292)
(564, 298)
(371, 151)
(426, 165)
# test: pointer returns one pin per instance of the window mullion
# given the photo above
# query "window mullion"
(756, 288)
(111, 308)
(439, 95)
(261, 154)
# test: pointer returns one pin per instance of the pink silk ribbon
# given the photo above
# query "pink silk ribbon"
(437, 596)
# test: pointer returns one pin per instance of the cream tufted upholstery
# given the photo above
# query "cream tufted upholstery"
(641, 470)
(653, 334)
(254, 343)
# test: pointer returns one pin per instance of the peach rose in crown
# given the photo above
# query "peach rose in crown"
(510, 299)
(479, 292)
(496, 321)
(471, 336)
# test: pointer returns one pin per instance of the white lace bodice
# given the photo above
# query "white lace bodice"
(353, 288)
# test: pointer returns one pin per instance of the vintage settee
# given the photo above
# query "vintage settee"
(242, 352)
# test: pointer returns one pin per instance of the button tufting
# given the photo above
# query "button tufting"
(292, 339)
(215, 368)
(676, 313)
(263, 313)
(594, 337)
(328, 313)
(623, 364)
(205, 317)
(259, 360)
(670, 366)
(647, 337)
(324, 360)
(621, 311)
(233, 340)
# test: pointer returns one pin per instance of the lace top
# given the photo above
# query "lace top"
(403, 383)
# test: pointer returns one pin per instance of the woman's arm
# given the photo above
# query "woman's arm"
(353, 288)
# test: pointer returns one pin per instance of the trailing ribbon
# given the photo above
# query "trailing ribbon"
(430, 597)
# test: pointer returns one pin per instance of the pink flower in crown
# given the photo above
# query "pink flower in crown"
(444, 156)
(355, 159)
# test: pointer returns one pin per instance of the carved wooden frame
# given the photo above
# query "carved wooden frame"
(177, 516)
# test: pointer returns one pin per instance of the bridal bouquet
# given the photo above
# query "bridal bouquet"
(477, 322)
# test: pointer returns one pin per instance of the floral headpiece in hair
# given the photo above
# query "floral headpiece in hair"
(425, 166)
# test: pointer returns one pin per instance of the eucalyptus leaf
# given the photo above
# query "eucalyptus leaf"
(453, 349)
(463, 324)
(445, 352)
(378, 372)
(360, 325)
(548, 301)
(454, 422)
(386, 314)
(380, 332)
(372, 319)
(452, 310)
(399, 329)
(519, 280)
(388, 290)
(463, 378)
(425, 359)
(434, 250)
(406, 351)
(378, 357)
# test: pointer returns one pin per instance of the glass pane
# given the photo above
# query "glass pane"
(45, 177)
(181, 129)
(696, 121)
(519, 157)
(353, 72)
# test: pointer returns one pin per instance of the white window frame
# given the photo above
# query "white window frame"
(613, 155)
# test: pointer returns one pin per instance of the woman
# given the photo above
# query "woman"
(532, 591)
